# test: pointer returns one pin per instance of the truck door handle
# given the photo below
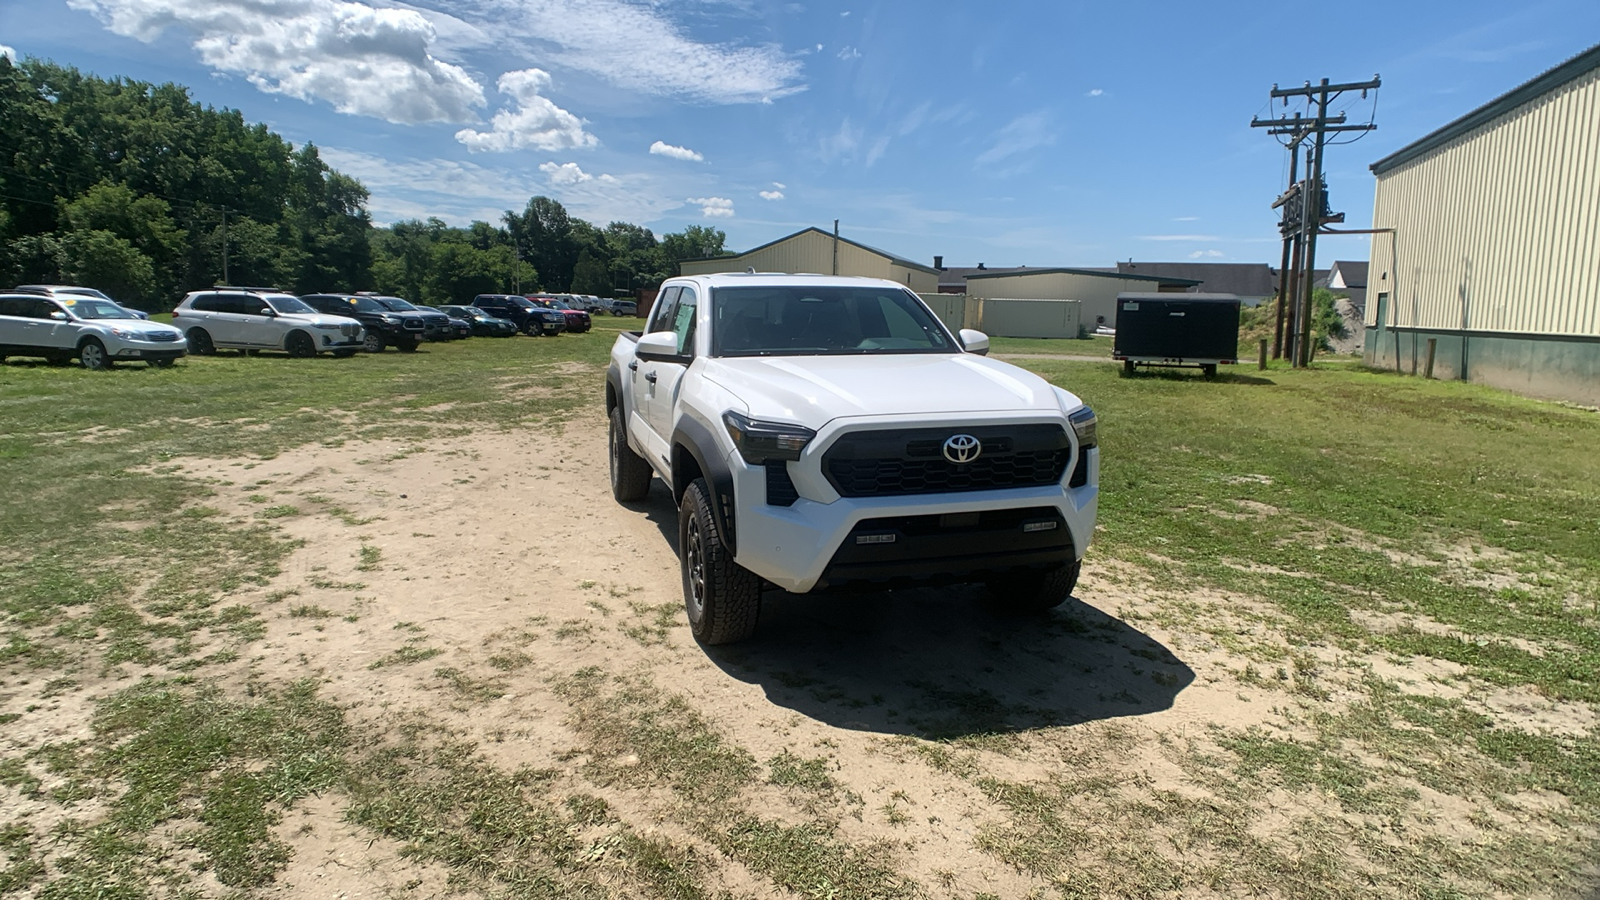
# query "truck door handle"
(650, 377)
(633, 366)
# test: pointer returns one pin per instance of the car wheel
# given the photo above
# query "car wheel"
(1033, 591)
(372, 343)
(300, 345)
(406, 346)
(344, 354)
(200, 342)
(722, 598)
(162, 363)
(92, 354)
(630, 474)
(532, 329)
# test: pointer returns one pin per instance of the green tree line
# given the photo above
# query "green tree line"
(140, 191)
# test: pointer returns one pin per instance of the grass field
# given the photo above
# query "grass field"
(1398, 579)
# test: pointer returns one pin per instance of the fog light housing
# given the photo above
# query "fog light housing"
(1030, 527)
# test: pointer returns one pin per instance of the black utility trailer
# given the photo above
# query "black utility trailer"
(1177, 330)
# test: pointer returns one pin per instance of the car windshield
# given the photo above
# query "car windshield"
(395, 304)
(289, 305)
(559, 304)
(522, 303)
(822, 321)
(91, 308)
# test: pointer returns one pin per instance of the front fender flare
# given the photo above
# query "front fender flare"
(694, 438)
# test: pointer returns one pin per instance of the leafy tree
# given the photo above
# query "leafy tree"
(543, 235)
(589, 276)
(110, 263)
(693, 242)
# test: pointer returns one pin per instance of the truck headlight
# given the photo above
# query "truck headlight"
(1086, 427)
(759, 442)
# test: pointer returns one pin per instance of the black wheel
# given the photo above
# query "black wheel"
(1033, 590)
(532, 329)
(92, 354)
(723, 599)
(300, 345)
(406, 346)
(162, 363)
(373, 342)
(200, 342)
(1127, 367)
(1209, 369)
(630, 474)
(344, 354)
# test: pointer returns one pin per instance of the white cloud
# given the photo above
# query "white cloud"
(536, 121)
(459, 192)
(780, 185)
(8, 53)
(362, 59)
(771, 195)
(713, 207)
(567, 174)
(1020, 135)
(662, 148)
(637, 47)
(849, 53)
(1197, 238)
(1094, 93)
(1186, 218)
(1207, 254)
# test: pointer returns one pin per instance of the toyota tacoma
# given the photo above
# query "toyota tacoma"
(823, 432)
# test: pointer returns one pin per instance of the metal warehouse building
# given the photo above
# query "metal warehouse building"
(817, 252)
(1492, 246)
(1095, 289)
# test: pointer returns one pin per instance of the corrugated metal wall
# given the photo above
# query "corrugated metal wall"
(950, 308)
(1006, 317)
(1097, 294)
(1500, 229)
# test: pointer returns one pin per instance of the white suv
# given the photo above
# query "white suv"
(260, 319)
(98, 332)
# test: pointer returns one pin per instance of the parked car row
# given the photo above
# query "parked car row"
(61, 322)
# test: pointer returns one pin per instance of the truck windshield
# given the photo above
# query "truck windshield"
(822, 321)
(395, 304)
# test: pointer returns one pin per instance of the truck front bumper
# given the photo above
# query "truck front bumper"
(909, 539)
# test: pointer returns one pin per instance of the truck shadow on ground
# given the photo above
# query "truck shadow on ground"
(937, 664)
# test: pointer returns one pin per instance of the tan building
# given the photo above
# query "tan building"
(1494, 251)
(1095, 290)
(817, 252)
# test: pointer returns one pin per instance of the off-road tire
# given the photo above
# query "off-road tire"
(92, 355)
(1034, 590)
(722, 598)
(300, 345)
(200, 343)
(630, 473)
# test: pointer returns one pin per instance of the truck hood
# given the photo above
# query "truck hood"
(813, 390)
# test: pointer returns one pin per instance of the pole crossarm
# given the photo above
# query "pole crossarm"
(1296, 122)
(1311, 90)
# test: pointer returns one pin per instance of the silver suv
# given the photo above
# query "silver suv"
(253, 319)
(97, 332)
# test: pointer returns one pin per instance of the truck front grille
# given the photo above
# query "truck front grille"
(912, 461)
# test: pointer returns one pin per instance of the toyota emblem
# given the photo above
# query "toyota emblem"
(962, 448)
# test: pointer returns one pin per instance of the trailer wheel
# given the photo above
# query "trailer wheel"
(1210, 370)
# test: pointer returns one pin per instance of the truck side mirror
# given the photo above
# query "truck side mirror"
(974, 342)
(660, 346)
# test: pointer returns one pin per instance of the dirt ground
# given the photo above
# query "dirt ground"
(423, 568)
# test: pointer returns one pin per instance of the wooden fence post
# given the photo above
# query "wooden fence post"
(1262, 365)
(1433, 344)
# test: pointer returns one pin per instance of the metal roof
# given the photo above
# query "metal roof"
(1244, 279)
(1570, 70)
(897, 260)
(1097, 273)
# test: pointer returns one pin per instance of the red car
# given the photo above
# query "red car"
(578, 321)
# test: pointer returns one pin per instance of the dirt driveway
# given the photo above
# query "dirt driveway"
(488, 593)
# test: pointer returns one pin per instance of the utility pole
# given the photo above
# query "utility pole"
(225, 245)
(1312, 195)
(1291, 250)
(835, 246)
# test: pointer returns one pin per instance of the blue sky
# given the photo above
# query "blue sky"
(1003, 133)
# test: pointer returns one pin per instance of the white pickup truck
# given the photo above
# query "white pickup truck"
(826, 432)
